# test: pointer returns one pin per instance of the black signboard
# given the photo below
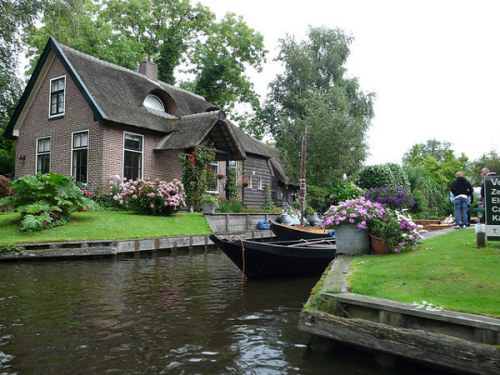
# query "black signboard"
(492, 206)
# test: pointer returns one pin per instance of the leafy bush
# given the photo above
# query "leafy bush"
(320, 198)
(232, 185)
(151, 197)
(5, 191)
(45, 200)
(388, 174)
(391, 197)
(431, 198)
(197, 175)
(230, 206)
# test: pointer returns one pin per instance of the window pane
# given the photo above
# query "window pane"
(133, 142)
(80, 140)
(132, 165)
(44, 145)
(80, 165)
(255, 182)
(43, 163)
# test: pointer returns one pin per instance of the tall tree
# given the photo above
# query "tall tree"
(174, 34)
(490, 160)
(314, 90)
(16, 14)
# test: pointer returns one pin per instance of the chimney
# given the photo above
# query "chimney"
(149, 69)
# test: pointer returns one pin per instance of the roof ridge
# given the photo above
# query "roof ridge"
(201, 114)
(121, 68)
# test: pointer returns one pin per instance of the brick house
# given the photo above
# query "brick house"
(90, 119)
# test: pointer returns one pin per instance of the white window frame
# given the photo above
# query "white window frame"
(56, 115)
(258, 180)
(215, 165)
(73, 149)
(44, 153)
(141, 174)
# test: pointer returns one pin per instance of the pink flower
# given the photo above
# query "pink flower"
(134, 196)
(152, 205)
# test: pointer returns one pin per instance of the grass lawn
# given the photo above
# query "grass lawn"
(86, 226)
(448, 271)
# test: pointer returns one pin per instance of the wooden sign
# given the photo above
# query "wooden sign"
(492, 207)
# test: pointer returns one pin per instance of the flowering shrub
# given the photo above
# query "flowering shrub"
(197, 175)
(398, 229)
(355, 211)
(391, 197)
(151, 197)
(5, 190)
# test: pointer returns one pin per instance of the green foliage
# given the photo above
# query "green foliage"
(231, 184)
(172, 34)
(230, 206)
(380, 175)
(315, 91)
(490, 160)
(320, 198)
(44, 200)
(196, 175)
(431, 198)
(4, 249)
(431, 169)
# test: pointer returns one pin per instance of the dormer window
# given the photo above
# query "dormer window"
(57, 88)
(153, 102)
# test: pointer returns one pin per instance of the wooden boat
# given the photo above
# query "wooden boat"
(298, 232)
(278, 259)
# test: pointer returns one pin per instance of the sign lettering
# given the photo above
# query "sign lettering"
(492, 207)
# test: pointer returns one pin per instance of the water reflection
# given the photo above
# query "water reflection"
(184, 314)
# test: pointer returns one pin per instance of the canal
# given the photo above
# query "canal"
(187, 313)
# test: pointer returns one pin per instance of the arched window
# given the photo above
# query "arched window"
(152, 101)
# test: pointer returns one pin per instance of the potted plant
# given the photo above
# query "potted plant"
(350, 221)
(209, 204)
(393, 233)
(245, 181)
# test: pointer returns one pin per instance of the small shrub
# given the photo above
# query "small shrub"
(230, 206)
(391, 197)
(151, 197)
(45, 200)
(388, 174)
(5, 191)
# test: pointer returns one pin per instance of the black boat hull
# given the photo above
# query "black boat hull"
(289, 233)
(260, 259)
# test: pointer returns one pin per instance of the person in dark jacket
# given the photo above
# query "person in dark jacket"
(462, 190)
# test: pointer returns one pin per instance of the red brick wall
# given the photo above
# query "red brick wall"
(78, 116)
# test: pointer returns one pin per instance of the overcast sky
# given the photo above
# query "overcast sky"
(434, 65)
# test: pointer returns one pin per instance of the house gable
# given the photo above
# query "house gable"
(50, 52)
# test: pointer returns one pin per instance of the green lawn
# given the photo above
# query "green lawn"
(85, 226)
(447, 271)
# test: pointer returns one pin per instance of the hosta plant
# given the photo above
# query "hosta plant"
(44, 200)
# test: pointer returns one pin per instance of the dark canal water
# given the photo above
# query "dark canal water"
(172, 314)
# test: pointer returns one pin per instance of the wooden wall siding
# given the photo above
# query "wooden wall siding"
(255, 198)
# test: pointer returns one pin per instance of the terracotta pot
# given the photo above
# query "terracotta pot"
(379, 245)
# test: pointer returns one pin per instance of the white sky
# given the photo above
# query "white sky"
(434, 65)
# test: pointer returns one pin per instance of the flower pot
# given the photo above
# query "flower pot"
(379, 245)
(352, 240)
(209, 208)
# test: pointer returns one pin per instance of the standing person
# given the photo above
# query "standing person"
(462, 190)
